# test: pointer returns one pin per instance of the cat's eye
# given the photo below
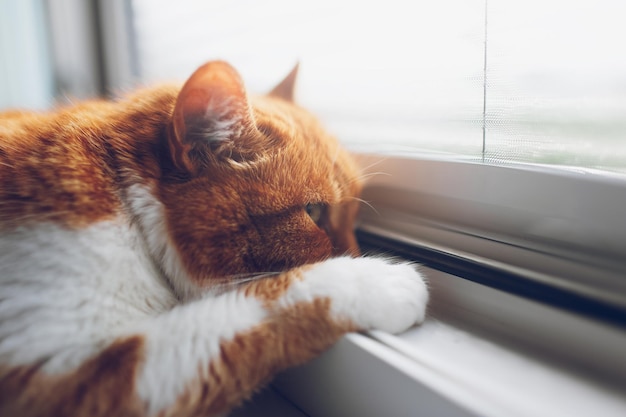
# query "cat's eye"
(315, 212)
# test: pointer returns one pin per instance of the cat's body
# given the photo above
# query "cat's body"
(129, 236)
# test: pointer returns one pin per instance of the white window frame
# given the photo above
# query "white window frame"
(559, 228)
(560, 355)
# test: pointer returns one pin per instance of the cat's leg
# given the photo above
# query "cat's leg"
(204, 357)
(369, 293)
(301, 313)
(176, 363)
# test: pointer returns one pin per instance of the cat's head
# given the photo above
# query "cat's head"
(255, 184)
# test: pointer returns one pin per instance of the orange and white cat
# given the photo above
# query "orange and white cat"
(168, 253)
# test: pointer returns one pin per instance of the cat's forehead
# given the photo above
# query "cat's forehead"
(291, 178)
(295, 129)
(279, 118)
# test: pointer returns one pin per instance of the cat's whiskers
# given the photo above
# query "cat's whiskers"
(367, 203)
(343, 188)
(37, 216)
(363, 177)
(252, 276)
(235, 280)
(373, 164)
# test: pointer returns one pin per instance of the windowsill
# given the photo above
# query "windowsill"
(444, 368)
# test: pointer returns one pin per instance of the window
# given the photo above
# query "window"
(531, 81)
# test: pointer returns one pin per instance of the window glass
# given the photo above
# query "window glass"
(557, 82)
(500, 80)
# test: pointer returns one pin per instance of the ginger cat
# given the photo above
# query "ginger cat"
(167, 254)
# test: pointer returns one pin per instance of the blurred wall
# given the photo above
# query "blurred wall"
(26, 79)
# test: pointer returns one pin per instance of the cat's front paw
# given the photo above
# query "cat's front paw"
(373, 293)
(390, 296)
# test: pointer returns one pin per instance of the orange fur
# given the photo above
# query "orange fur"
(66, 166)
(103, 386)
(252, 358)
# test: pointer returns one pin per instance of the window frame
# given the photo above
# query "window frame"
(542, 333)
(558, 229)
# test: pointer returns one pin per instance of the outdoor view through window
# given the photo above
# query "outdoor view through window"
(540, 81)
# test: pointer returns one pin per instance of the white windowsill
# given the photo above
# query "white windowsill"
(441, 368)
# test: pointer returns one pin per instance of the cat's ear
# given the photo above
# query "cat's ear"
(286, 88)
(212, 112)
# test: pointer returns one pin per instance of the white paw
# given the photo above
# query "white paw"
(373, 293)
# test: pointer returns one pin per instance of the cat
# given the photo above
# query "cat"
(168, 252)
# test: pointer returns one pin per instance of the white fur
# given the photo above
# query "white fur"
(182, 343)
(226, 120)
(151, 216)
(373, 293)
(55, 284)
(65, 295)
